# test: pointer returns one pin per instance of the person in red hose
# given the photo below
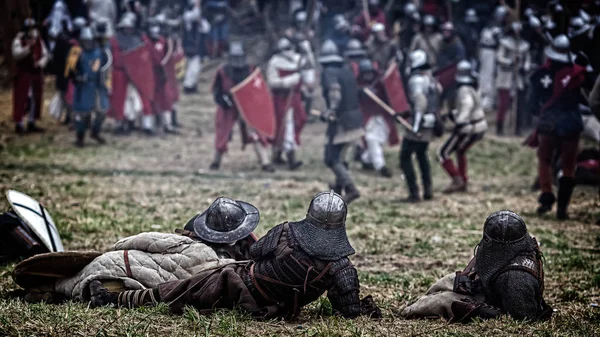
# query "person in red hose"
(554, 96)
(31, 56)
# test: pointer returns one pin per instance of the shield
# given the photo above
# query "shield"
(254, 102)
(140, 70)
(394, 89)
(34, 215)
(446, 76)
(43, 270)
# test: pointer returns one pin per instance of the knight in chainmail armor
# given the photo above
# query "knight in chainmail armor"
(291, 266)
(507, 268)
(506, 276)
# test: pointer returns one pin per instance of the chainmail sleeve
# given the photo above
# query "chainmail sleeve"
(519, 293)
(344, 293)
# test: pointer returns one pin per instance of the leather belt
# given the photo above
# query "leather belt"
(127, 265)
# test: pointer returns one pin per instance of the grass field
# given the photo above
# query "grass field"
(100, 194)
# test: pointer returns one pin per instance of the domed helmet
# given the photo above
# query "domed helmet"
(409, 9)
(559, 50)
(322, 234)
(127, 21)
(154, 31)
(79, 22)
(429, 21)
(464, 72)
(86, 38)
(505, 238)
(300, 19)
(329, 53)
(471, 16)
(366, 70)
(418, 60)
(354, 49)
(237, 55)
(284, 44)
(225, 221)
(500, 14)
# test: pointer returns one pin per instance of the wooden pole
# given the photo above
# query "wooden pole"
(512, 116)
(388, 109)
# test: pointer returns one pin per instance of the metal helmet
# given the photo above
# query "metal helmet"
(418, 59)
(327, 210)
(409, 9)
(300, 17)
(377, 27)
(154, 31)
(79, 22)
(340, 22)
(504, 226)
(128, 20)
(577, 22)
(500, 14)
(54, 32)
(373, 3)
(354, 48)
(516, 27)
(585, 16)
(534, 22)
(284, 44)
(322, 233)
(101, 27)
(559, 50)
(429, 20)
(237, 55)
(365, 66)
(415, 17)
(471, 16)
(464, 72)
(528, 12)
(225, 221)
(447, 26)
(29, 23)
(86, 34)
(329, 53)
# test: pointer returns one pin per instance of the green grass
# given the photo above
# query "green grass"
(101, 194)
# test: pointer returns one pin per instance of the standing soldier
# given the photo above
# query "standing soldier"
(555, 96)
(285, 72)
(161, 52)
(469, 34)
(361, 28)
(228, 76)
(428, 40)
(195, 28)
(380, 126)
(488, 47)
(354, 53)
(470, 126)
(380, 48)
(452, 50)
(86, 65)
(423, 92)
(343, 115)
(513, 58)
(30, 57)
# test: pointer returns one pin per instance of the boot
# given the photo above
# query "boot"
(351, 193)
(500, 128)
(216, 164)
(337, 188)
(174, 120)
(277, 158)
(458, 185)
(79, 139)
(386, 172)
(411, 199)
(427, 193)
(546, 201)
(19, 130)
(565, 191)
(99, 139)
(268, 168)
(32, 128)
(368, 167)
(292, 163)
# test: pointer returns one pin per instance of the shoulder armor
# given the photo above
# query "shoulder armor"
(267, 244)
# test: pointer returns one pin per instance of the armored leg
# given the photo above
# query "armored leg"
(425, 167)
(408, 148)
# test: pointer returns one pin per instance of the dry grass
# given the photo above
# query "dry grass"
(100, 194)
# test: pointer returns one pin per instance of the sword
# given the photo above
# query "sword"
(389, 110)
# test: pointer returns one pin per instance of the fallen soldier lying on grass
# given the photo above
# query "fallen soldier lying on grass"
(217, 237)
(293, 265)
(506, 276)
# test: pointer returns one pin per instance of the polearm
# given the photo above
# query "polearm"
(388, 109)
(307, 25)
(366, 14)
(516, 69)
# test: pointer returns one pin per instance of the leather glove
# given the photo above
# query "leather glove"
(369, 308)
